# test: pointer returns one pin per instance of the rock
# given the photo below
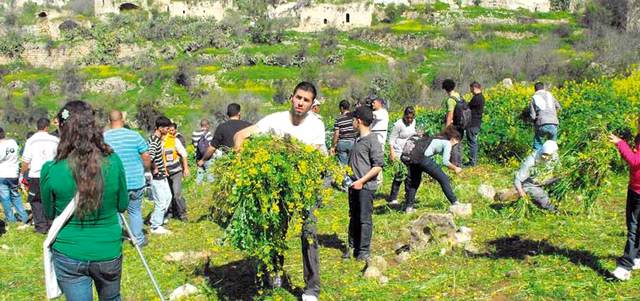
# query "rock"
(512, 274)
(185, 256)
(464, 229)
(54, 87)
(411, 15)
(112, 85)
(443, 251)
(183, 291)
(471, 249)
(377, 262)
(4, 247)
(487, 191)
(383, 279)
(461, 210)
(16, 84)
(462, 238)
(430, 226)
(506, 195)
(508, 83)
(206, 80)
(372, 273)
(402, 257)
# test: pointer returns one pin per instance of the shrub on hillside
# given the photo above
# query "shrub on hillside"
(71, 82)
(184, 75)
(146, 113)
(12, 43)
(605, 13)
(393, 12)
(214, 106)
(81, 7)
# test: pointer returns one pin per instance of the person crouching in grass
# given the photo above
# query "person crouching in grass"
(366, 161)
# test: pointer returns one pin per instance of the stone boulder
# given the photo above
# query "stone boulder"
(378, 262)
(508, 83)
(461, 210)
(183, 291)
(186, 256)
(506, 195)
(431, 226)
(487, 191)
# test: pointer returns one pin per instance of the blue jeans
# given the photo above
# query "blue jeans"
(161, 196)
(10, 197)
(135, 213)
(472, 138)
(75, 277)
(203, 172)
(343, 149)
(543, 133)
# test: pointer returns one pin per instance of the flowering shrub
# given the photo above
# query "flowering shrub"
(266, 189)
(590, 111)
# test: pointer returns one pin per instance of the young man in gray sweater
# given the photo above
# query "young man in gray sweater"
(543, 110)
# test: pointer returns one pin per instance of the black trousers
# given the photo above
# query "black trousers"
(40, 221)
(178, 207)
(360, 221)
(632, 217)
(310, 256)
(414, 178)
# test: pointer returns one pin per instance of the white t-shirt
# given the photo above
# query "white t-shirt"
(380, 125)
(310, 131)
(8, 159)
(38, 149)
(400, 134)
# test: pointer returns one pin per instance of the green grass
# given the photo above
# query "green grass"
(541, 257)
(415, 26)
(257, 73)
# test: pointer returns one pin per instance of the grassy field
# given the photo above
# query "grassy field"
(539, 257)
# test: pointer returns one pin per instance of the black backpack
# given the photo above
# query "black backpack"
(414, 148)
(202, 146)
(461, 114)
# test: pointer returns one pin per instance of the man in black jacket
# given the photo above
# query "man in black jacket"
(477, 109)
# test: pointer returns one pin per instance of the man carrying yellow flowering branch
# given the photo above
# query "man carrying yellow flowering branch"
(309, 129)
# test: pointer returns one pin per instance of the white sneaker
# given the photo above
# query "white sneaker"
(160, 230)
(393, 202)
(410, 210)
(636, 264)
(306, 297)
(621, 274)
(23, 227)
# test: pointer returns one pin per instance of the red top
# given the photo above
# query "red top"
(633, 159)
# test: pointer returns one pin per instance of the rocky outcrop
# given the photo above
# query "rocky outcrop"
(112, 85)
(41, 55)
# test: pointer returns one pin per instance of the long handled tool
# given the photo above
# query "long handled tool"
(144, 261)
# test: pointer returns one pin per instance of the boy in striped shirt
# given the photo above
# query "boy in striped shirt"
(160, 190)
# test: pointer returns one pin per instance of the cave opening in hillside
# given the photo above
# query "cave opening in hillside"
(43, 14)
(325, 21)
(128, 6)
(348, 18)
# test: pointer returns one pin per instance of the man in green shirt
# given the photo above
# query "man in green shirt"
(449, 105)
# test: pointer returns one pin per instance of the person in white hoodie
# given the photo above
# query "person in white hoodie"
(543, 110)
(9, 194)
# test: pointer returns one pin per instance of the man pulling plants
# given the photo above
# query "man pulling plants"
(309, 129)
(536, 172)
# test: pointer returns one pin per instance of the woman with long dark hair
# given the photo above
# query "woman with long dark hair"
(88, 247)
(443, 145)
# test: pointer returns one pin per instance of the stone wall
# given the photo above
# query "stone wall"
(104, 7)
(208, 9)
(343, 17)
(38, 55)
(533, 5)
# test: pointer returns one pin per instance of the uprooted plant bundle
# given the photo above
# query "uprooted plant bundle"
(266, 190)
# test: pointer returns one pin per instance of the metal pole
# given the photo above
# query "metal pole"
(144, 262)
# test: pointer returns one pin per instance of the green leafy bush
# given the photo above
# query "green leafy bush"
(266, 190)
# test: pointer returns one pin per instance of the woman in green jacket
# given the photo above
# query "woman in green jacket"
(88, 248)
